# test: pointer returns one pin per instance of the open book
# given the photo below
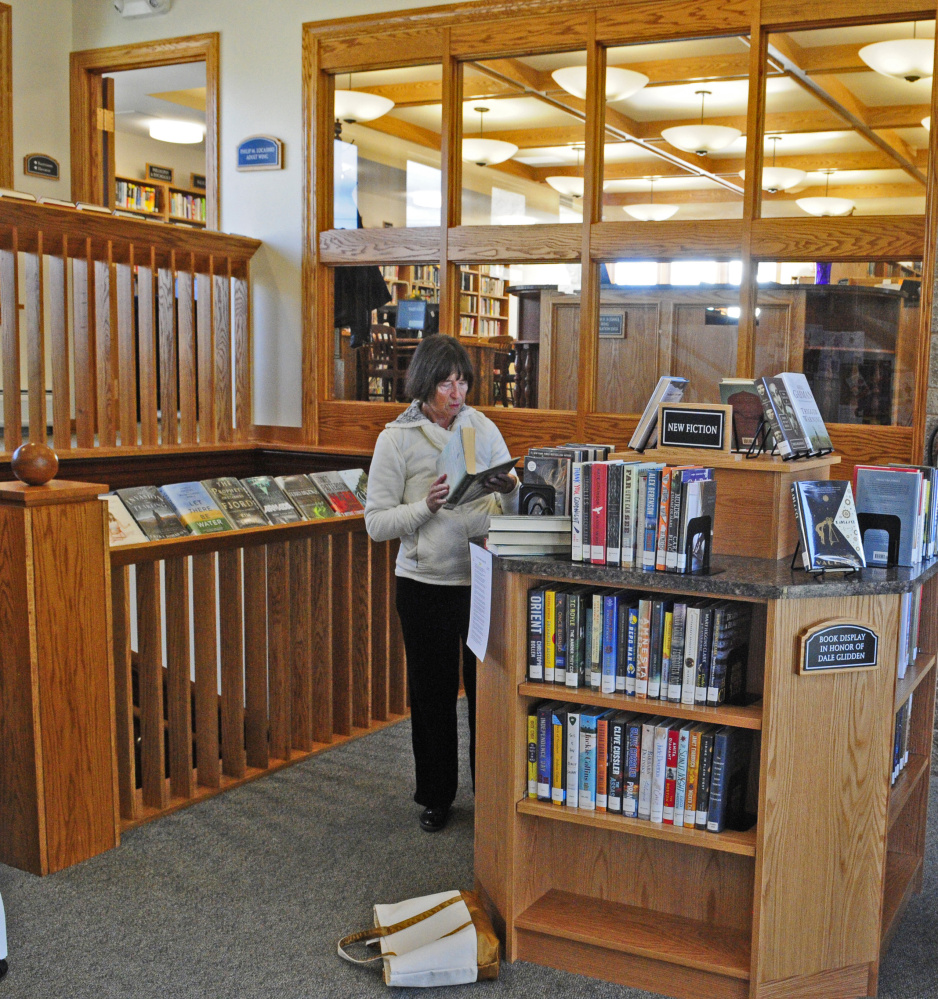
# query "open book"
(458, 461)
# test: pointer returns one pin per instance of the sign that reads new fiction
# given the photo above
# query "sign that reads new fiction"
(693, 426)
(260, 152)
(841, 646)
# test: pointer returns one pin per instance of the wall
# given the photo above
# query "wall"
(133, 152)
(261, 91)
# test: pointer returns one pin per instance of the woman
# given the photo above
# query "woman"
(405, 500)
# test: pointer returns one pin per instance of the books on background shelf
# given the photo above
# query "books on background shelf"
(122, 528)
(236, 502)
(303, 494)
(153, 513)
(827, 526)
(271, 499)
(900, 743)
(910, 613)
(669, 389)
(457, 461)
(683, 651)
(337, 494)
(529, 535)
(692, 775)
(196, 507)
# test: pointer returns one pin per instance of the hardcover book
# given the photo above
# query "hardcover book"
(801, 398)
(830, 531)
(236, 502)
(742, 395)
(889, 503)
(303, 494)
(536, 634)
(550, 472)
(357, 480)
(196, 508)
(121, 527)
(153, 513)
(457, 461)
(668, 389)
(271, 499)
(791, 439)
(341, 498)
(728, 780)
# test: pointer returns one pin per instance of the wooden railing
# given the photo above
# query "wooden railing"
(308, 653)
(138, 332)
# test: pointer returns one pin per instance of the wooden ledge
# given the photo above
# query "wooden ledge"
(54, 492)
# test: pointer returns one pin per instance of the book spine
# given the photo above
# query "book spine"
(536, 635)
(632, 768)
(704, 765)
(719, 779)
(676, 671)
(573, 758)
(666, 640)
(649, 544)
(586, 479)
(532, 753)
(674, 519)
(574, 645)
(647, 767)
(598, 482)
(610, 644)
(622, 642)
(617, 730)
(587, 763)
(690, 794)
(558, 767)
(631, 650)
(703, 655)
(596, 645)
(614, 514)
(664, 513)
(550, 647)
(560, 637)
(680, 794)
(544, 752)
(655, 640)
(691, 636)
(576, 511)
(628, 517)
(602, 763)
(644, 648)
(670, 775)
(659, 774)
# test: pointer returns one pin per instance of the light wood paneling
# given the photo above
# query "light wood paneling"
(126, 354)
(206, 670)
(123, 691)
(185, 318)
(166, 338)
(35, 343)
(10, 346)
(278, 645)
(301, 627)
(178, 672)
(360, 613)
(321, 637)
(230, 603)
(150, 685)
(341, 584)
(255, 657)
(221, 326)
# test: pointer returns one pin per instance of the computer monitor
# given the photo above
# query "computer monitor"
(414, 315)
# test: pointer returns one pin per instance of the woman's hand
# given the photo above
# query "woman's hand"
(502, 483)
(437, 495)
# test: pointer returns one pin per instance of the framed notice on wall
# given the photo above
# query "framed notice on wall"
(41, 165)
(260, 152)
(160, 173)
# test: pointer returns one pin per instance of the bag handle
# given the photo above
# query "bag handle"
(374, 934)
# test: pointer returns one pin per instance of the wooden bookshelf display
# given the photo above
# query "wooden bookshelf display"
(806, 901)
(483, 302)
(154, 199)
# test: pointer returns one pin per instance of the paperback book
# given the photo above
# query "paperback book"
(458, 463)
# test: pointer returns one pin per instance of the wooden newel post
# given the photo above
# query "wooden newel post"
(58, 803)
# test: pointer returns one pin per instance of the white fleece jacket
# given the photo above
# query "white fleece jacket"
(434, 546)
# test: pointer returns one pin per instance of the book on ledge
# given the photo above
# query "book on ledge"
(457, 462)
(337, 493)
(670, 388)
(121, 526)
(197, 509)
(153, 512)
(828, 526)
(235, 502)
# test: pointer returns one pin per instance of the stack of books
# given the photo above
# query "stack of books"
(537, 534)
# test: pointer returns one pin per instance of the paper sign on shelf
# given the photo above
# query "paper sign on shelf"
(480, 610)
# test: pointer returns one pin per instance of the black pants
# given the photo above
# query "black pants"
(435, 621)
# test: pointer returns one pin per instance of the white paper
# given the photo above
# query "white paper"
(480, 611)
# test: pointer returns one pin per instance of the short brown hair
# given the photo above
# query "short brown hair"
(435, 359)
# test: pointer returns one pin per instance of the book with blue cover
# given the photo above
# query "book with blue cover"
(890, 510)
(196, 508)
(828, 525)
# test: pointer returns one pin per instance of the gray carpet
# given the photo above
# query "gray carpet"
(245, 896)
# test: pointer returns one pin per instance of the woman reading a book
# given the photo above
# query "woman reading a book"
(406, 499)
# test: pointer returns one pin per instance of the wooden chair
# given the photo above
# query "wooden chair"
(503, 371)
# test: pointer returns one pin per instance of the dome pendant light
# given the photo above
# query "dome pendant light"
(826, 206)
(486, 152)
(357, 105)
(650, 212)
(775, 179)
(908, 59)
(620, 83)
(701, 139)
(570, 186)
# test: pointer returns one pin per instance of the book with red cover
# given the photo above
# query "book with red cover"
(337, 493)
(598, 476)
(670, 774)
(664, 510)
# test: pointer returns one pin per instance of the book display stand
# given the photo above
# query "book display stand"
(819, 573)
(688, 913)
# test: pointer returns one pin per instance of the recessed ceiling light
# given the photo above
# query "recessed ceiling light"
(166, 130)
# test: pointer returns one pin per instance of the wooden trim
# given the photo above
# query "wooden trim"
(91, 63)
(6, 96)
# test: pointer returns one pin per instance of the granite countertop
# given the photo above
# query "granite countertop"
(731, 575)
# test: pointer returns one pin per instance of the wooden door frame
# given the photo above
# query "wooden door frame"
(6, 95)
(91, 63)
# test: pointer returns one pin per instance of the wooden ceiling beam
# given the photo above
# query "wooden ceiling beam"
(717, 195)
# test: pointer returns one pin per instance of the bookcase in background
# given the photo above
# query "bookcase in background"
(483, 301)
(166, 202)
(805, 902)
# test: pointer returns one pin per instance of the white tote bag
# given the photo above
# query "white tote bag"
(441, 939)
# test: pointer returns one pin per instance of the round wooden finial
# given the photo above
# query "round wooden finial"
(34, 464)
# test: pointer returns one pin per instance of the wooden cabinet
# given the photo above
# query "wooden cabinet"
(803, 903)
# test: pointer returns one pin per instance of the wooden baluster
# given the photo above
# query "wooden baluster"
(321, 635)
(188, 431)
(206, 349)
(105, 365)
(35, 343)
(241, 330)
(126, 351)
(123, 691)
(83, 325)
(380, 677)
(360, 614)
(61, 350)
(278, 644)
(146, 348)
(10, 341)
(397, 661)
(206, 670)
(178, 682)
(150, 685)
(166, 314)
(301, 623)
(232, 663)
(255, 656)
(341, 583)
(221, 324)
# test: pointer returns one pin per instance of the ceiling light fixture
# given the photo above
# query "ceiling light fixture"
(775, 178)
(926, 123)
(826, 206)
(620, 83)
(166, 130)
(701, 139)
(486, 152)
(571, 186)
(358, 105)
(909, 59)
(650, 212)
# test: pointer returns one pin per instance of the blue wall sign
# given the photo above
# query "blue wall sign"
(260, 152)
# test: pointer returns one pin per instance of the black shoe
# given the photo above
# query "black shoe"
(434, 819)
(3, 967)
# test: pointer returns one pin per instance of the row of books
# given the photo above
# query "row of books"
(153, 513)
(190, 206)
(689, 774)
(910, 616)
(643, 515)
(140, 196)
(529, 535)
(684, 651)
(547, 476)
(900, 742)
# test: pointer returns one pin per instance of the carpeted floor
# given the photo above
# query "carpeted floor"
(244, 896)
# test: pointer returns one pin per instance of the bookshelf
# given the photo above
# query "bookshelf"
(165, 202)
(696, 914)
(483, 301)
